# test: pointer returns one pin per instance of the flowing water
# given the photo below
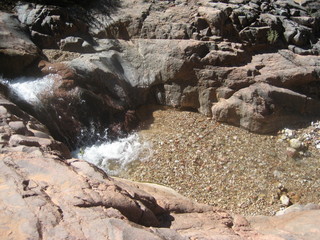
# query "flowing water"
(111, 156)
(30, 89)
(114, 157)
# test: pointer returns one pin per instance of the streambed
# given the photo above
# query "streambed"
(224, 165)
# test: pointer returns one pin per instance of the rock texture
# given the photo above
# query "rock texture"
(17, 51)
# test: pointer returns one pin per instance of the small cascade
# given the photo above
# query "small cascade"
(29, 89)
(112, 156)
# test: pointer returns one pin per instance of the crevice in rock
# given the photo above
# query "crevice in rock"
(39, 229)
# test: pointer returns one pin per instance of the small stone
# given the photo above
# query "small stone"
(295, 143)
(292, 153)
(289, 133)
(277, 174)
(285, 201)
(18, 127)
(3, 112)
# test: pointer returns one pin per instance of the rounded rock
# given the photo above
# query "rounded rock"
(295, 143)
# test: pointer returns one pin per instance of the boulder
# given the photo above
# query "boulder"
(265, 109)
(17, 51)
(296, 225)
(49, 24)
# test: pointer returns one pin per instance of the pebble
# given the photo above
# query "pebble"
(285, 201)
(292, 153)
(295, 143)
(229, 166)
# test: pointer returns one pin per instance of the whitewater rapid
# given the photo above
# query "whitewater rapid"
(114, 157)
(111, 156)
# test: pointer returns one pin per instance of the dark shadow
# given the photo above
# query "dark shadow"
(165, 220)
(145, 115)
(104, 6)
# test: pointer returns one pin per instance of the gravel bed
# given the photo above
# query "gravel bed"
(227, 166)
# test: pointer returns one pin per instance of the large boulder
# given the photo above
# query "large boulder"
(48, 25)
(263, 108)
(17, 51)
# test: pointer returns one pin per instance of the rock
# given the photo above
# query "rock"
(161, 63)
(18, 52)
(75, 44)
(255, 107)
(18, 127)
(292, 152)
(295, 143)
(298, 208)
(49, 24)
(72, 199)
(292, 225)
(285, 200)
(289, 133)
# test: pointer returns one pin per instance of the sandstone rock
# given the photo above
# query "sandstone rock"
(166, 66)
(18, 127)
(298, 208)
(44, 196)
(296, 225)
(75, 44)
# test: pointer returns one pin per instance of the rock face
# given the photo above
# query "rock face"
(17, 51)
(263, 108)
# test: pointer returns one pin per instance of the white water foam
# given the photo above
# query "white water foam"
(30, 89)
(114, 156)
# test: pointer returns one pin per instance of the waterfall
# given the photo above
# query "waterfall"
(29, 89)
(111, 156)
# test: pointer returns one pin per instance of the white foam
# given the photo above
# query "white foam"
(113, 156)
(30, 89)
